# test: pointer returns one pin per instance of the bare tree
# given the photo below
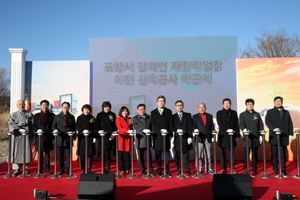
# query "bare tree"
(272, 44)
(4, 90)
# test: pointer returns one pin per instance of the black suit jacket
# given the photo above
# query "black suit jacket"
(47, 129)
(164, 121)
(284, 123)
(205, 131)
(186, 124)
(227, 121)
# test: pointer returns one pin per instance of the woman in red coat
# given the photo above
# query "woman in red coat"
(124, 124)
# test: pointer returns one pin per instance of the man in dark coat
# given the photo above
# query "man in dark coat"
(42, 121)
(161, 118)
(182, 120)
(280, 119)
(204, 123)
(106, 121)
(140, 122)
(250, 120)
(64, 122)
(228, 121)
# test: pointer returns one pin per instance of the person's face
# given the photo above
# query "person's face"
(106, 109)
(201, 108)
(86, 111)
(226, 105)
(179, 107)
(124, 113)
(21, 105)
(249, 106)
(141, 110)
(44, 107)
(278, 103)
(65, 108)
(160, 103)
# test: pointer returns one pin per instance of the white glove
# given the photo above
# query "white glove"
(189, 141)
(85, 131)
(229, 130)
(260, 139)
(290, 138)
(245, 130)
(163, 131)
(196, 131)
(112, 137)
(22, 130)
(179, 130)
(276, 130)
(146, 131)
(100, 131)
(212, 139)
(55, 131)
(94, 140)
(130, 131)
(39, 131)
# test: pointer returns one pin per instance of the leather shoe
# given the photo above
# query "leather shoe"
(48, 172)
(178, 173)
(223, 171)
(209, 172)
(254, 172)
(16, 173)
(61, 172)
(286, 173)
(143, 172)
(159, 172)
(189, 172)
(275, 172)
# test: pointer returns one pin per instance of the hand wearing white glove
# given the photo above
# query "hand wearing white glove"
(196, 131)
(260, 139)
(189, 141)
(212, 140)
(276, 130)
(245, 130)
(290, 138)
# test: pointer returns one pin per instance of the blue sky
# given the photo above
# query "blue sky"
(60, 29)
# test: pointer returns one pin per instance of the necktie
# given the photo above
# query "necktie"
(180, 116)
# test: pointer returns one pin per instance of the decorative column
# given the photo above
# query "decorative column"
(17, 91)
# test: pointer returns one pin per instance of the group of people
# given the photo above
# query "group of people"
(161, 123)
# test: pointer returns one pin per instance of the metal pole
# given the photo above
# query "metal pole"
(24, 174)
(181, 156)
(297, 132)
(85, 154)
(280, 175)
(214, 133)
(9, 175)
(40, 154)
(117, 175)
(165, 175)
(198, 174)
(71, 175)
(55, 175)
(265, 175)
(148, 175)
(132, 175)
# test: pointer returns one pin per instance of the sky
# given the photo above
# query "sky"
(60, 29)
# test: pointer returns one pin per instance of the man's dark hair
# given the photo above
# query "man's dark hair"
(122, 109)
(226, 99)
(106, 104)
(140, 105)
(179, 101)
(161, 97)
(65, 103)
(278, 97)
(44, 101)
(249, 101)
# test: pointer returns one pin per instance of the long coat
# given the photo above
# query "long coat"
(205, 131)
(161, 121)
(186, 124)
(17, 121)
(124, 139)
(253, 122)
(47, 136)
(284, 123)
(139, 124)
(107, 123)
(227, 120)
(63, 139)
(85, 122)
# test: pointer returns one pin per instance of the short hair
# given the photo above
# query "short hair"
(226, 99)
(179, 101)
(278, 97)
(122, 109)
(140, 105)
(249, 101)
(87, 106)
(65, 103)
(161, 97)
(44, 101)
(203, 105)
(106, 104)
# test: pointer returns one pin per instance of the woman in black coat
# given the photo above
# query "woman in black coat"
(85, 124)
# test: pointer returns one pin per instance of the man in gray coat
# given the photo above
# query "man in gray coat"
(140, 122)
(20, 122)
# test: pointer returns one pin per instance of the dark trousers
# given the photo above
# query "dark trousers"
(142, 154)
(158, 154)
(82, 163)
(254, 157)
(45, 163)
(124, 160)
(186, 160)
(223, 157)
(64, 158)
(274, 157)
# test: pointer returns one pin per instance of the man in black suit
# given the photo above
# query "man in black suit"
(228, 121)
(64, 122)
(140, 122)
(279, 119)
(183, 121)
(42, 121)
(204, 123)
(161, 118)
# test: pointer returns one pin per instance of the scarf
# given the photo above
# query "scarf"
(44, 117)
(65, 119)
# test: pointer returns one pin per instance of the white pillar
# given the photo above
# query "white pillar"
(17, 89)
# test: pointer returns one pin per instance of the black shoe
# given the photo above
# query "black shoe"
(16, 173)
(61, 172)
(143, 172)
(254, 171)
(275, 172)
(286, 173)
(152, 172)
(189, 172)
(178, 173)
(48, 172)
(107, 171)
(159, 172)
